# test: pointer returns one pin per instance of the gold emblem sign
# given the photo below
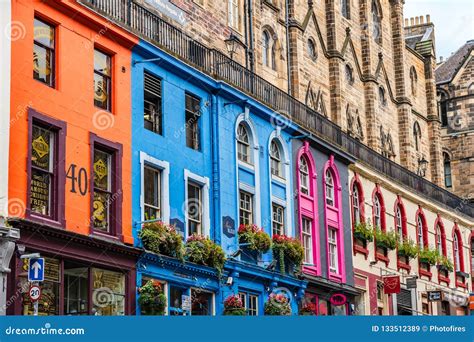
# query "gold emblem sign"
(40, 146)
(100, 169)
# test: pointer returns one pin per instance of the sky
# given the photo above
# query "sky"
(453, 20)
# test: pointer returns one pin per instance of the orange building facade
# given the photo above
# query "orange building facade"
(70, 98)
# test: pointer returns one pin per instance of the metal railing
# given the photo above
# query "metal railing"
(171, 39)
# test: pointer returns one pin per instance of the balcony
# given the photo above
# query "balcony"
(171, 39)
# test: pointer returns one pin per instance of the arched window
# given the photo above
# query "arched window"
(275, 159)
(378, 209)
(399, 223)
(243, 144)
(346, 9)
(457, 251)
(376, 22)
(266, 48)
(417, 135)
(329, 188)
(312, 49)
(357, 202)
(304, 176)
(470, 89)
(421, 230)
(413, 80)
(447, 170)
(349, 74)
(377, 212)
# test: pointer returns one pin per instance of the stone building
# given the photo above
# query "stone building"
(455, 91)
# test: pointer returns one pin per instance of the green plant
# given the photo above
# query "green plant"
(152, 299)
(233, 306)
(364, 231)
(287, 249)
(161, 238)
(277, 305)
(408, 248)
(201, 250)
(385, 239)
(445, 262)
(257, 239)
(429, 256)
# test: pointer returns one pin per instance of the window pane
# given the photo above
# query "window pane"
(194, 209)
(101, 63)
(76, 289)
(40, 196)
(101, 209)
(108, 295)
(152, 104)
(246, 208)
(43, 33)
(102, 170)
(101, 91)
(41, 148)
(43, 64)
(307, 235)
(201, 303)
(152, 193)
(176, 301)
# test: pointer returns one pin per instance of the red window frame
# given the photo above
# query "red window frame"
(399, 206)
(356, 183)
(377, 193)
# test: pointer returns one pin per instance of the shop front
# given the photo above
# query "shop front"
(82, 275)
(190, 289)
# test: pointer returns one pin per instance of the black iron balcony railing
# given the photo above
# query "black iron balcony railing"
(171, 39)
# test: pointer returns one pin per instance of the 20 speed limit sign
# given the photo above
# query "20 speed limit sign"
(34, 293)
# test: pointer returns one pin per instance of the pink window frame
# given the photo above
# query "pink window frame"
(399, 205)
(383, 224)
(334, 211)
(310, 212)
(357, 183)
(421, 214)
(461, 256)
(439, 223)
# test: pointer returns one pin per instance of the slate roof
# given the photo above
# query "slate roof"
(446, 71)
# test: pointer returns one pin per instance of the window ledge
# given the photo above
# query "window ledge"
(443, 279)
(460, 284)
(98, 234)
(381, 257)
(361, 250)
(279, 180)
(310, 270)
(425, 273)
(45, 220)
(402, 265)
(246, 166)
(335, 277)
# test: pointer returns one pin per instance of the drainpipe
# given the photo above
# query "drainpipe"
(287, 24)
(251, 50)
(215, 168)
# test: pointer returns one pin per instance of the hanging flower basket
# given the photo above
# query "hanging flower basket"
(289, 252)
(428, 256)
(308, 309)
(152, 299)
(364, 232)
(233, 306)
(162, 238)
(277, 305)
(257, 239)
(387, 240)
(407, 249)
(203, 251)
(444, 264)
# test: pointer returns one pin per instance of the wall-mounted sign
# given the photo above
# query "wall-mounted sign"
(228, 226)
(411, 283)
(338, 299)
(391, 284)
(170, 10)
(435, 296)
(186, 303)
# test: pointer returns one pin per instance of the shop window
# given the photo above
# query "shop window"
(152, 104)
(243, 144)
(112, 284)
(201, 303)
(250, 303)
(278, 219)
(444, 308)
(193, 115)
(245, 208)
(194, 210)
(425, 305)
(152, 195)
(310, 303)
(44, 52)
(175, 302)
(76, 289)
(102, 80)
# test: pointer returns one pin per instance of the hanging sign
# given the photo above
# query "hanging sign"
(435, 296)
(411, 283)
(228, 225)
(391, 284)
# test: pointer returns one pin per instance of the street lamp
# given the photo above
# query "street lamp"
(232, 44)
(422, 166)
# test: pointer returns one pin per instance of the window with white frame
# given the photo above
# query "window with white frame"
(333, 252)
(457, 256)
(245, 207)
(194, 209)
(243, 144)
(329, 188)
(439, 244)
(275, 159)
(307, 239)
(278, 219)
(356, 204)
(152, 195)
(250, 303)
(419, 225)
(304, 176)
(377, 212)
(234, 14)
(398, 219)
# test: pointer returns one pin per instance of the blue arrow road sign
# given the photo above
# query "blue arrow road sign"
(36, 269)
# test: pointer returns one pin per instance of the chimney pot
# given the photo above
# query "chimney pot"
(417, 20)
(428, 18)
(422, 19)
(412, 21)
(406, 22)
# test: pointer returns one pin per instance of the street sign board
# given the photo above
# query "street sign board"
(34, 293)
(186, 300)
(36, 269)
(435, 296)
(411, 282)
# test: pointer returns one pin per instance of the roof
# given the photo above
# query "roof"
(446, 71)
(422, 40)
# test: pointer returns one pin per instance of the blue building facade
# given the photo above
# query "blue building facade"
(196, 139)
